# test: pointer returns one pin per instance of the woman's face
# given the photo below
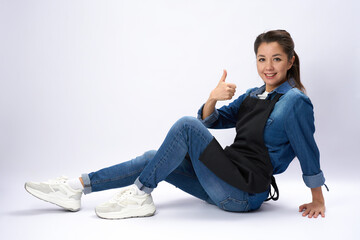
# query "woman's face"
(272, 64)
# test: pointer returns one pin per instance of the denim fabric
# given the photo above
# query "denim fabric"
(187, 135)
(289, 130)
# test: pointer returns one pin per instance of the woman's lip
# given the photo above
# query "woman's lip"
(270, 75)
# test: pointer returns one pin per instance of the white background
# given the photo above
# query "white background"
(88, 84)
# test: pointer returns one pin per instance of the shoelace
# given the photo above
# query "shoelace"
(121, 195)
(57, 180)
(61, 179)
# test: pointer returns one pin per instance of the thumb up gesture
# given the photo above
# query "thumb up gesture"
(224, 90)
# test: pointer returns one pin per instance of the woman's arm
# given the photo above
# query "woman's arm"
(316, 207)
(223, 91)
(300, 129)
(209, 107)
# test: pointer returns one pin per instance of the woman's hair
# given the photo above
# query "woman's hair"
(284, 39)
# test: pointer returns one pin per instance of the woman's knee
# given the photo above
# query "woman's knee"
(144, 159)
(188, 122)
(148, 155)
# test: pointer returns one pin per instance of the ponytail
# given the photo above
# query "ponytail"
(294, 72)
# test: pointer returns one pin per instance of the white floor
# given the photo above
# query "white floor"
(180, 216)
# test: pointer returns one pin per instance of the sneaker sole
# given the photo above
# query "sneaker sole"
(45, 197)
(145, 211)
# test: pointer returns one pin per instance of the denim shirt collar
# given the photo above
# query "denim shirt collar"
(282, 89)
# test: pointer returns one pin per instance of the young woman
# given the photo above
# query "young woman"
(274, 123)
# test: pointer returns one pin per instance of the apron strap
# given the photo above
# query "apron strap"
(273, 195)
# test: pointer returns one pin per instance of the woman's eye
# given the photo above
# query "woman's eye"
(261, 59)
(277, 59)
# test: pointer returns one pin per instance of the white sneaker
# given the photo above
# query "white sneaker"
(56, 191)
(126, 204)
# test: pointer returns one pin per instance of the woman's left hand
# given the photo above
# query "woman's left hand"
(313, 209)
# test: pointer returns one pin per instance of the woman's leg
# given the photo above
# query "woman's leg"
(125, 174)
(117, 176)
(189, 136)
(184, 178)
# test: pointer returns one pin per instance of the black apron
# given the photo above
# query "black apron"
(246, 163)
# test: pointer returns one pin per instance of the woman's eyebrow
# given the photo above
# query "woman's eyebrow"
(275, 55)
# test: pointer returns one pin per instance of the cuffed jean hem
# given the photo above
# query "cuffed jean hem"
(87, 184)
(142, 187)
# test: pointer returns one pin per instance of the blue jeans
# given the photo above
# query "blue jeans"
(187, 136)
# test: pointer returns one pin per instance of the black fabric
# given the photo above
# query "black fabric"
(246, 163)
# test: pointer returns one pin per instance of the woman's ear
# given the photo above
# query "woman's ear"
(291, 62)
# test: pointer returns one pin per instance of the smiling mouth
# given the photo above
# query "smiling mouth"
(270, 74)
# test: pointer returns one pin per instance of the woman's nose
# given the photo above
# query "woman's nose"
(269, 65)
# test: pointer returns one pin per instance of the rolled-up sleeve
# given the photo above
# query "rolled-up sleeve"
(210, 120)
(314, 181)
(300, 129)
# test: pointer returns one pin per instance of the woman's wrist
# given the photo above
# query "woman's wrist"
(212, 97)
(317, 195)
(209, 107)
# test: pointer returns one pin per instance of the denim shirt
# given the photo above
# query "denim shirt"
(289, 130)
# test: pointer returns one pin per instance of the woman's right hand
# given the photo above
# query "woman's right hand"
(224, 90)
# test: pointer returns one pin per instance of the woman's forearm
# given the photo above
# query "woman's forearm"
(209, 107)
